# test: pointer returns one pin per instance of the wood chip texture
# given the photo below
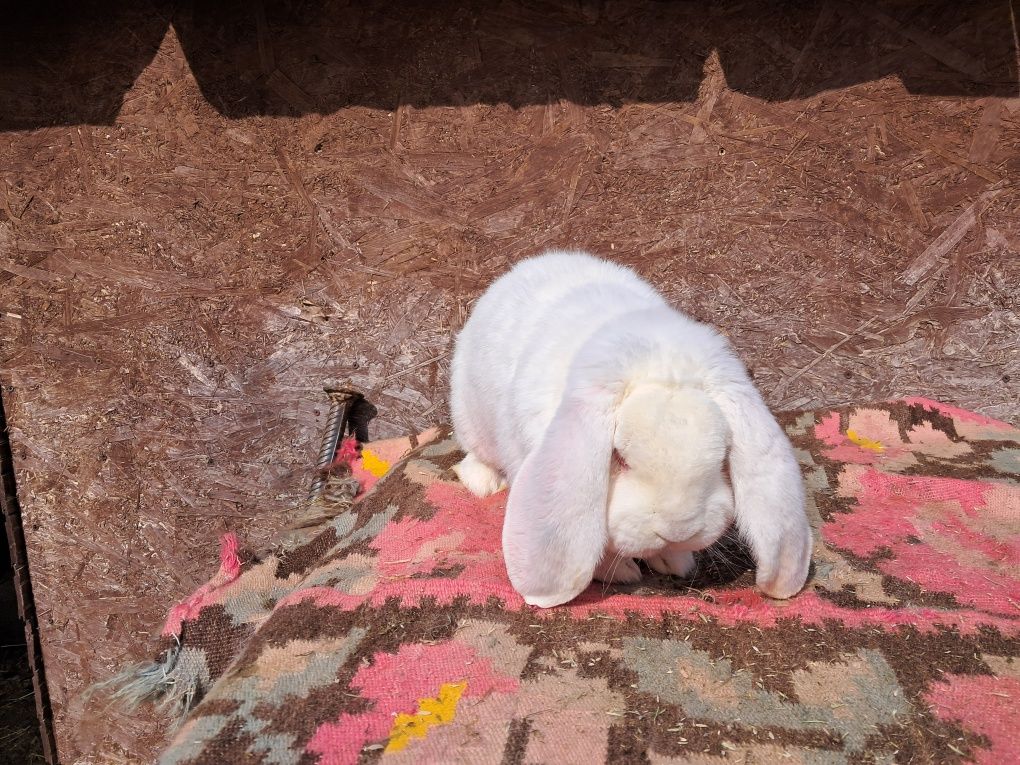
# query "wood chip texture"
(208, 212)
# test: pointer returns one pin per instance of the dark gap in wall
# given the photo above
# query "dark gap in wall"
(26, 730)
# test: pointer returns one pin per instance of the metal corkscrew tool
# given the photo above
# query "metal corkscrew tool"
(341, 401)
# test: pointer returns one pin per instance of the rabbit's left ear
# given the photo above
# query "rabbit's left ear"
(768, 490)
(555, 529)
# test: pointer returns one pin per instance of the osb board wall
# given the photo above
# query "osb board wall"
(203, 218)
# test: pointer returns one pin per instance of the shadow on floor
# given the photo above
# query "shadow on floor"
(72, 63)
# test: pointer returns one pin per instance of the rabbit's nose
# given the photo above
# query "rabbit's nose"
(681, 540)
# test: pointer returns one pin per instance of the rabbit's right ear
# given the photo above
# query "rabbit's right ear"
(555, 529)
(768, 490)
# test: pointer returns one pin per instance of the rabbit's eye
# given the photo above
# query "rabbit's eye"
(621, 463)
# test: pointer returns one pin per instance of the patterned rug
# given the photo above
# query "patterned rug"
(386, 630)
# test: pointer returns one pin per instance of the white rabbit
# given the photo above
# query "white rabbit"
(612, 417)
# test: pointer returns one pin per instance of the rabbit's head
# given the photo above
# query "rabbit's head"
(639, 465)
(668, 481)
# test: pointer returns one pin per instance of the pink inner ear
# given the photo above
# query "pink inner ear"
(620, 461)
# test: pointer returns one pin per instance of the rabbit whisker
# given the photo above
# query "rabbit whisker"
(617, 560)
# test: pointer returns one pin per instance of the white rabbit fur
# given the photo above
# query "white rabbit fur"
(612, 417)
